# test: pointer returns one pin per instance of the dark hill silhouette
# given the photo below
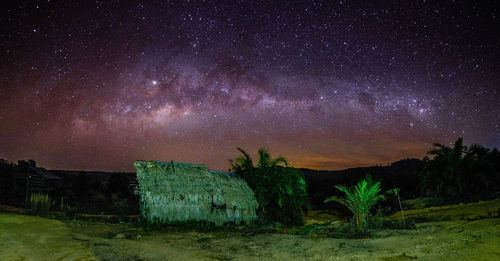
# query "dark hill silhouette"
(401, 174)
(95, 191)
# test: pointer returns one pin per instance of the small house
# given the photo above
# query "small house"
(38, 179)
(179, 192)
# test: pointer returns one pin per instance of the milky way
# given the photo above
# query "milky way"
(328, 85)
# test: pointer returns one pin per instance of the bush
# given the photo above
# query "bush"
(280, 191)
(359, 200)
(40, 203)
(68, 210)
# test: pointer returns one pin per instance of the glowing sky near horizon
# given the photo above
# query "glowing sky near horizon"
(96, 85)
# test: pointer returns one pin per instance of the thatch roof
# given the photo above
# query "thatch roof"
(172, 192)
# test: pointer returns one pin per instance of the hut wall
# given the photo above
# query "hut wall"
(177, 192)
(36, 183)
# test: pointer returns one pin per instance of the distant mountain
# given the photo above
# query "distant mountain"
(401, 174)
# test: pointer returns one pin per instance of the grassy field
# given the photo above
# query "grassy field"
(474, 236)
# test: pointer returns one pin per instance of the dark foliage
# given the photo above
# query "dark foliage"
(401, 174)
(80, 185)
(119, 183)
(460, 172)
(83, 191)
(9, 191)
(280, 191)
(23, 165)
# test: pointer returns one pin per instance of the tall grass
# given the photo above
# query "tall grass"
(40, 203)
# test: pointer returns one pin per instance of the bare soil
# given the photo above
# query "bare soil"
(457, 236)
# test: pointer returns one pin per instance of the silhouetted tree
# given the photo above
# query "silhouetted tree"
(24, 165)
(481, 166)
(279, 190)
(459, 171)
(8, 190)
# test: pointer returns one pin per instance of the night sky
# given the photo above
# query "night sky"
(95, 85)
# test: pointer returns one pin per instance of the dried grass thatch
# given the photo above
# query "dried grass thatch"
(177, 192)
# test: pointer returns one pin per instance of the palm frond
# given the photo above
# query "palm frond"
(278, 160)
(264, 158)
(245, 154)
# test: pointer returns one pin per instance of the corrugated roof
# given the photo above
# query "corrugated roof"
(45, 173)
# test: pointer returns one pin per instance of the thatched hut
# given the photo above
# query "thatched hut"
(176, 192)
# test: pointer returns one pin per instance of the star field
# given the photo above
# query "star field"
(327, 84)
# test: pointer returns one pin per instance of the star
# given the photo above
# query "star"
(335, 86)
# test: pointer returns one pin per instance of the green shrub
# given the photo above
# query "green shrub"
(40, 203)
(279, 190)
(359, 200)
(68, 210)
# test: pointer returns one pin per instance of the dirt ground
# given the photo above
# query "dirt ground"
(471, 237)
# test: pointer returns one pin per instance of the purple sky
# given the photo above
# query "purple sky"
(96, 85)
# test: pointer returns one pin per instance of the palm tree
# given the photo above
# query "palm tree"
(461, 171)
(280, 191)
(241, 164)
(478, 165)
(359, 200)
(265, 161)
(445, 171)
(452, 155)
